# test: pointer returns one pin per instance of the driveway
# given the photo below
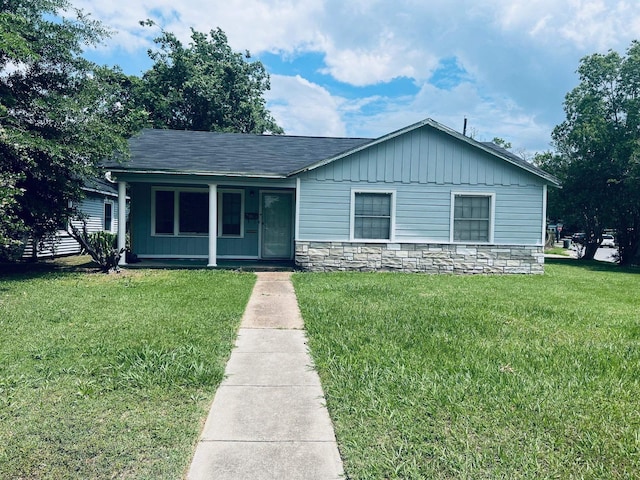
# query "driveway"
(602, 254)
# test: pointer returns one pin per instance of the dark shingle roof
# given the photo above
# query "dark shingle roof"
(521, 162)
(229, 153)
(276, 156)
(100, 185)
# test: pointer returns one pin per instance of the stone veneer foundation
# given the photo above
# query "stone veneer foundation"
(419, 257)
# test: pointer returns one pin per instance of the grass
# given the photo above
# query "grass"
(557, 251)
(111, 376)
(480, 376)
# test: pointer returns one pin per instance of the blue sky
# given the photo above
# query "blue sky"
(365, 68)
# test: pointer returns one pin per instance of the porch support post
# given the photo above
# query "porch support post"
(213, 224)
(122, 220)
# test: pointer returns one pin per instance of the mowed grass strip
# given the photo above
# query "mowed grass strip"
(111, 376)
(480, 376)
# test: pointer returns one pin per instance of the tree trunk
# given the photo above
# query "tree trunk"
(590, 250)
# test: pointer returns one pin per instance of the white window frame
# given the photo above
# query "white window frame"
(492, 215)
(176, 211)
(221, 211)
(352, 216)
(104, 214)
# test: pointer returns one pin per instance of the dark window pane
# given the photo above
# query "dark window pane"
(194, 212)
(164, 212)
(108, 215)
(231, 213)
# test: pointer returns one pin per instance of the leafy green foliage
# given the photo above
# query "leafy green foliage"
(60, 115)
(205, 86)
(479, 377)
(111, 376)
(599, 151)
(11, 226)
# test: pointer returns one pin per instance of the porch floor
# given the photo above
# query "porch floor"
(245, 265)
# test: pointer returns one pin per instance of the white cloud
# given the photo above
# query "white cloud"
(304, 108)
(519, 55)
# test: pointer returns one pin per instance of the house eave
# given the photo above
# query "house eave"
(442, 128)
(195, 173)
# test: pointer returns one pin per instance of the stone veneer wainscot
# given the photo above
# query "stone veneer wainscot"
(419, 257)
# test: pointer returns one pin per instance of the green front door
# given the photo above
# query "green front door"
(277, 225)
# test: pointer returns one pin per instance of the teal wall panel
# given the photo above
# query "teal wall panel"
(423, 167)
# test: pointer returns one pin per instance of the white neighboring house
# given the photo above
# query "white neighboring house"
(100, 209)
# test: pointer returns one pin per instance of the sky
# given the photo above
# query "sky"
(365, 68)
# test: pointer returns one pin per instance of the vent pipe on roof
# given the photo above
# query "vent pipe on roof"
(464, 127)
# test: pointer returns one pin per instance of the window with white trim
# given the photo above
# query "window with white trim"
(372, 215)
(231, 213)
(180, 212)
(108, 216)
(472, 218)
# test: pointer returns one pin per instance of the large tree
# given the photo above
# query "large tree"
(60, 115)
(599, 150)
(205, 86)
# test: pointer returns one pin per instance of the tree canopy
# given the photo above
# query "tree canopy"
(205, 86)
(60, 115)
(598, 147)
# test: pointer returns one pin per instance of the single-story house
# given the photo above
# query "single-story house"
(100, 211)
(422, 199)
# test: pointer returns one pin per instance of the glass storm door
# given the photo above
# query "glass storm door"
(277, 225)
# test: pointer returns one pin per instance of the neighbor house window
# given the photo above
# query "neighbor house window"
(231, 213)
(180, 212)
(472, 220)
(372, 215)
(108, 216)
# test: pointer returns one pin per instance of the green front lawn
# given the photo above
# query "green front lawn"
(480, 376)
(111, 376)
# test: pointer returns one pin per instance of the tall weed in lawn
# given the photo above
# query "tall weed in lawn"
(111, 376)
(480, 377)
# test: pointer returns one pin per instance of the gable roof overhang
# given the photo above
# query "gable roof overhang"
(488, 147)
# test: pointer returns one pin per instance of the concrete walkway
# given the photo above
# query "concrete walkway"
(268, 419)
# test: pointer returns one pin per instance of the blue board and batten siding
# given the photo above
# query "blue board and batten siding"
(422, 167)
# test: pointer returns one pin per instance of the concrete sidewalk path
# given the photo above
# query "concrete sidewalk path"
(268, 419)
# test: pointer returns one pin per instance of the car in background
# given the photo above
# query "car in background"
(578, 237)
(608, 241)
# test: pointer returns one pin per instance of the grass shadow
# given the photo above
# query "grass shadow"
(29, 270)
(592, 265)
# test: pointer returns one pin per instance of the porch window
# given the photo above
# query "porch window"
(231, 213)
(108, 216)
(472, 217)
(372, 215)
(193, 213)
(181, 212)
(164, 212)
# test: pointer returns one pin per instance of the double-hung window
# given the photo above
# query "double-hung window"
(180, 212)
(472, 217)
(372, 217)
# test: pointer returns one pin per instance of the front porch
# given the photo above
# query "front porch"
(241, 265)
(247, 225)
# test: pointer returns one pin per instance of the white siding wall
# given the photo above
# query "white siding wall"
(93, 207)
